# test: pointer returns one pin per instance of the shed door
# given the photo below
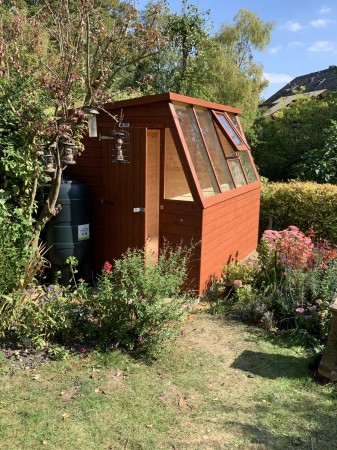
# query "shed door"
(124, 196)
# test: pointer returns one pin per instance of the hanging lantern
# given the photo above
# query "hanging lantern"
(69, 152)
(90, 115)
(120, 149)
(49, 158)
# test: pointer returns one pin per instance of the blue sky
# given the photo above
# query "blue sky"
(304, 39)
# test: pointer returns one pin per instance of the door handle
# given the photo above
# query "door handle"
(106, 202)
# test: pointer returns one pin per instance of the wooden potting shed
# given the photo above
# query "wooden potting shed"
(190, 176)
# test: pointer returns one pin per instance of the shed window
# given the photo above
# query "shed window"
(175, 183)
(237, 172)
(226, 146)
(228, 127)
(197, 150)
(235, 121)
(248, 166)
(215, 150)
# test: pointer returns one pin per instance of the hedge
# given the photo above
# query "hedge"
(307, 205)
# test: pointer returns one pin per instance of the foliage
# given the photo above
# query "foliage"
(304, 204)
(57, 58)
(235, 63)
(139, 305)
(320, 164)
(289, 287)
(290, 144)
(195, 62)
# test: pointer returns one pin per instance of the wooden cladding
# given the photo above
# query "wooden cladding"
(186, 182)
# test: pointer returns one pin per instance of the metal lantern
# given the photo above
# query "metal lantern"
(120, 148)
(90, 114)
(49, 158)
(69, 153)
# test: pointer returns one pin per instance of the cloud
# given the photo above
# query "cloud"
(295, 44)
(292, 26)
(275, 78)
(320, 23)
(324, 10)
(322, 46)
(276, 49)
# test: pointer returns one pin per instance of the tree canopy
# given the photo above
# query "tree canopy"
(299, 141)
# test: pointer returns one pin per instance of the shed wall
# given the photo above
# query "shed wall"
(229, 231)
(181, 223)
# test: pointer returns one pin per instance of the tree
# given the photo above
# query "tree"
(185, 38)
(218, 67)
(238, 79)
(291, 143)
(65, 54)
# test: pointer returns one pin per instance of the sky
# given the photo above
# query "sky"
(304, 38)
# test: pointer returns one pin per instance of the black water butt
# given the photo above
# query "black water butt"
(68, 233)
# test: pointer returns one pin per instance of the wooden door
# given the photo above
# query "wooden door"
(123, 199)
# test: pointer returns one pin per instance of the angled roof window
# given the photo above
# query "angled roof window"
(247, 166)
(215, 147)
(235, 121)
(197, 149)
(216, 153)
(175, 183)
(230, 131)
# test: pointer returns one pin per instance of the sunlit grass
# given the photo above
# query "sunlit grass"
(222, 386)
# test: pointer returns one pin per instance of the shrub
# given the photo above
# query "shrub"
(38, 314)
(304, 204)
(15, 250)
(139, 305)
(294, 280)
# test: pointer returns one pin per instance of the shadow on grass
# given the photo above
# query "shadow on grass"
(271, 366)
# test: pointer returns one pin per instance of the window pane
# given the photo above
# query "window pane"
(229, 129)
(247, 166)
(197, 151)
(226, 146)
(237, 172)
(215, 150)
(235, 121)
(175, 183)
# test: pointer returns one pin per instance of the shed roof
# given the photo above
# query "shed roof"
(170, 96)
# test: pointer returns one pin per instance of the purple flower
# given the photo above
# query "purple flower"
(312, 308)
(84, 350)
(308, 317)
(299, 310)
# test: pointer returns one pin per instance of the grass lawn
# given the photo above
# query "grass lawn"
(222, 386)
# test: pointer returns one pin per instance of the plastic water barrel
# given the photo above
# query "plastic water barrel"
(68, 233)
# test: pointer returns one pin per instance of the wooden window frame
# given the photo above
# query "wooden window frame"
(242, 146)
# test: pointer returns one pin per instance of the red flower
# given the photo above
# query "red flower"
(107, 267)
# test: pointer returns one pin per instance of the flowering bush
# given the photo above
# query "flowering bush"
(292, 248)
(289, 287)
(38, 313)
(139, 305)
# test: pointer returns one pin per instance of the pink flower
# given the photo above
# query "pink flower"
(140, 297)
(140, 338)
(299, 310)
(237, 283)
(107, 267)
(84, 350)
